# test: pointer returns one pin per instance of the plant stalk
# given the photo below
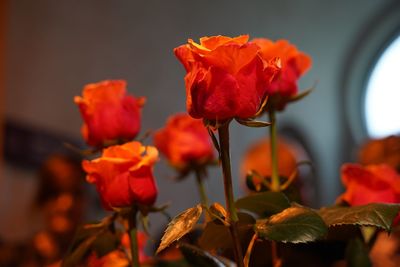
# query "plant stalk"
(200, 187)
(223, 134)
(275, 183)
(133, 236)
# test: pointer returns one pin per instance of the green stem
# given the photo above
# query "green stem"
(134, 240)
(200, 187)
(275, 183)
(232, 217)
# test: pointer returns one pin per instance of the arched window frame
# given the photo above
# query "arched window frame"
(378, 35)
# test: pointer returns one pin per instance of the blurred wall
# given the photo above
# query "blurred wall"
(55, 47)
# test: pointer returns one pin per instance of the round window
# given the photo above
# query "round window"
(371, 79)
(382, 96)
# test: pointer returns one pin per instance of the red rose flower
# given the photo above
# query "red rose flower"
(226, 77)
(123, 175)
(373, 183)
(184, 141)
(109, 113)
(293, 64)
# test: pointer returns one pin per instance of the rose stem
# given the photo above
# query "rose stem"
(275, 183)
(133, 236)
(200, 187)
(223, 134)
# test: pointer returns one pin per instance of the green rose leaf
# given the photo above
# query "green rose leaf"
(105, 243)
(296, 224)
(253, 123)
(374, 214)
(201, 258)
(264, 204)
(180, 226)
(301, 95)
(84, 239)
(82, 243)
(217, 236)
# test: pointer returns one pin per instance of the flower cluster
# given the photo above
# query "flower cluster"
(226, 78)
(123, 174)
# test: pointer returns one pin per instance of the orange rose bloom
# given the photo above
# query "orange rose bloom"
(377, 151)
(116, 258)
(258, 158)
(123, 175)
(226, 77)
(109, 113)
(373, 183)
(293, 64)
(185, 142)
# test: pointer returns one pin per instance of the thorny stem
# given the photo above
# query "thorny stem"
(275, 183)
(133, 237)
(200, 187)
(223, 134)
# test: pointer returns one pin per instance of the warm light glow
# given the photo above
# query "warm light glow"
(382, 107)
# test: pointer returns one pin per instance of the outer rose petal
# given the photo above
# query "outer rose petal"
(232, 57)
(116, 192)
(251, 89)
(110, 91)
(218, 99)
(213, 42)
(185, 56)
(197, 81)
(369, 184)
(142, 186)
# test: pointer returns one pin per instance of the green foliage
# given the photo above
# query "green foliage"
(375, 214)
(180, 226)
(83, 241)
(301, 95)
(217, 236)
(264, 204)
(296, 224)
(253, 123)
(105, 243)
(201, 258)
